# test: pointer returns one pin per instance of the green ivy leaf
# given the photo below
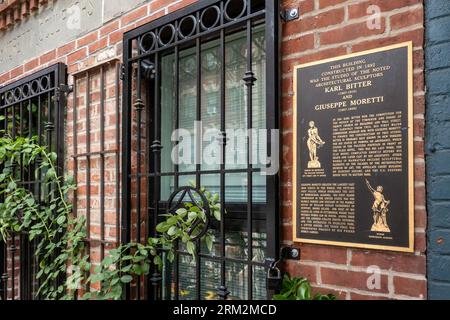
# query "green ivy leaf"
(126, 279)
(172, 230)
(209, 242)
(61, 220)
(190, 247)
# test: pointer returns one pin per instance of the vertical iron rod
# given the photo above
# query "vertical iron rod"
(249, 79)
(102, 163)
(139, 107)
(88, 166)
(198, 146)
(223, 291)
(176, 167)
(117, 164)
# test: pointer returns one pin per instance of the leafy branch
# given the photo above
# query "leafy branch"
(44, 214)
(299, 289)
(132, 260)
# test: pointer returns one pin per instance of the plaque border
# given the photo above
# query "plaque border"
(410, 248)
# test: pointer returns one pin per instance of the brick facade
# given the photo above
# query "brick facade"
(437, 148)
(326, 28)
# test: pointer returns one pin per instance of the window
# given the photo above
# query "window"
(211, 70)
(32, 106)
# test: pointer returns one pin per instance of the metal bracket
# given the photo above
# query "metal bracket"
(63, 88)
(290, 14)
(66, 88)
(148, 69)
(290, 253)
(286, 253)
(122, 72)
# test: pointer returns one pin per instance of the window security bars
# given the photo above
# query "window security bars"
(215, 62)
(32, 106)
(95, 137)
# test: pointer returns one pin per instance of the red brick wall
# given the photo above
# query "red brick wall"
(329, 28)
(326, 28)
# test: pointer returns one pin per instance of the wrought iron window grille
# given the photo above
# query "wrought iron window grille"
(32, 106)
(147, 51)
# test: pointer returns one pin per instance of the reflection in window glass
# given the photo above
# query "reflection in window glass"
(236, 184)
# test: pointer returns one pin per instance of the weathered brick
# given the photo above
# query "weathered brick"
(88, 39)
(298, 269)
(359, 9)
(110, 27)
(349, 32)
(410, 287)
(134, 15)
(407, 19)
(408, 263)
(46, 58)
(323, 254)
(352, 279)
(33, 64)
(437, 8)
(64, 50)
(18, 71)
(77, 56)
(326, 3)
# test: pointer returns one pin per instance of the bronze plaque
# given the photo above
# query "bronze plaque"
(353, 150)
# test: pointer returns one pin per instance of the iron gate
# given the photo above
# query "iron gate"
(32, 106)
(215, 62)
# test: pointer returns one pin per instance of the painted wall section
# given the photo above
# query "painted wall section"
(437, 51)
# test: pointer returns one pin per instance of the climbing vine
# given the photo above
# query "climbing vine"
(134, 259)
(47, 220)
(60, 236)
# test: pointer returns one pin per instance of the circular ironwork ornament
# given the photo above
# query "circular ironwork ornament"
(177, 201)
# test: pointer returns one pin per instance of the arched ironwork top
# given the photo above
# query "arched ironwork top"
(201, 19)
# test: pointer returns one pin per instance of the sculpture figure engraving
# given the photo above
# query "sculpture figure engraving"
(379, 209)
(314, 141)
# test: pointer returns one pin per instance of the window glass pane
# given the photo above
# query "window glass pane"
(236, 244)
(210, 103)
(167, 187)
(188, 102)
(168, 111)
(236, 280)
(259, 188)
(259, 245)
(187, 282)
(259, 94)
(209, 279)
(235, 101)
(259, 283)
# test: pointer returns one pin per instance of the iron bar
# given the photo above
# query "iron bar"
(249, 81)
(222, 290)
(102, 161)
